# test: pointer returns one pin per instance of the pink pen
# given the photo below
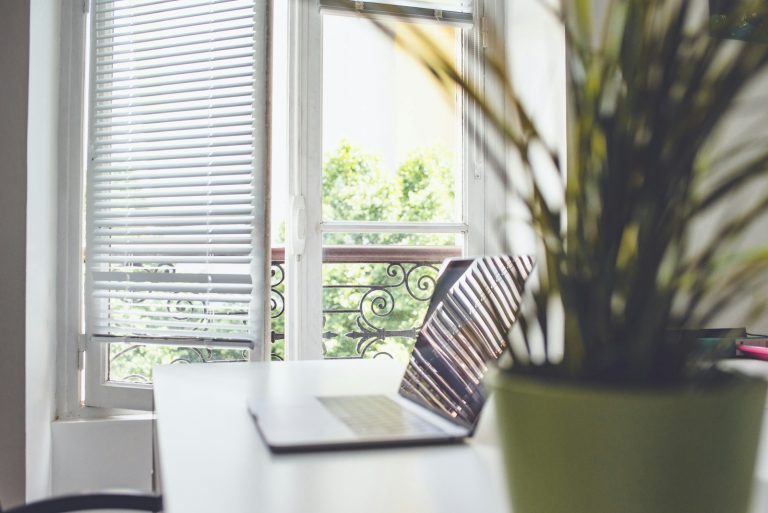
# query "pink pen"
(759, 353)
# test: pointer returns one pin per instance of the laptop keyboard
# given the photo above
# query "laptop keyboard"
(376, 415)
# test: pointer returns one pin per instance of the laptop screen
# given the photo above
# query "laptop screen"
(472, 310)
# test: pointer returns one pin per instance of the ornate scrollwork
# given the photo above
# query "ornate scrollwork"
(424, 277)
(186, 355)
(276, 298)
(378, 304)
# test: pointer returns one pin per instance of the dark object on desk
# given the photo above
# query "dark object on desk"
(711, 342)
(92, 501)
(752, 341)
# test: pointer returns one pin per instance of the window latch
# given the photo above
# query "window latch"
(82, 340)
(299, 218)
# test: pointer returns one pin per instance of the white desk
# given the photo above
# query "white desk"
(212, 459)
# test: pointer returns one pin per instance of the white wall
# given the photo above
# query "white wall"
(92, 455)
(14, 38)
(535, 48)
(42, 156)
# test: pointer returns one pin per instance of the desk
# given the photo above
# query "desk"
(212, 459)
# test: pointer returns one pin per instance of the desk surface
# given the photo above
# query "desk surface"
(212, 458)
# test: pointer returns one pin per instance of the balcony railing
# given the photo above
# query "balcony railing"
(374, 302)
(374, 297)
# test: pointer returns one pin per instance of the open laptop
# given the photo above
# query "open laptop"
(439, 399)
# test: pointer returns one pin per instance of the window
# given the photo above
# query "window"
(385, 180)
(375, 182)
(174, 183)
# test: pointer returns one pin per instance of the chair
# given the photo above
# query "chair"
(91, 501)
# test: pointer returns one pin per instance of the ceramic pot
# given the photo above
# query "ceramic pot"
(580, 449)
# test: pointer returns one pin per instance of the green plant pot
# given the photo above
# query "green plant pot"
(580, 449)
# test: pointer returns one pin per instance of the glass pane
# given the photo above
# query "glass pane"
(393, 239)
(133, 363)
(375, 297)
(391, 136)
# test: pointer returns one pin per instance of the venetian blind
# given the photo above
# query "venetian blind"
(452, 11)
(175, 185)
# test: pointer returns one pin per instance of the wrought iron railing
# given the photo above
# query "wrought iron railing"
(374, 301)
(379, 310)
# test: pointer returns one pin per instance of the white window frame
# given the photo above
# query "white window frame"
(484, 200)
(304, 251)
(71, 182)
(74, 352)
(84, 391)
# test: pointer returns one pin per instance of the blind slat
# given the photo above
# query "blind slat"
(168, 166)
(209, 240)
(120, 106)
(169, 277)
(185, 183)
(191, 312)
(177, 192)
(119, 77)
(130, 20)
(118, 231)
(197, 87)
(213, 288)
(171, 259)
(113, 67)
(161, 296)
(178, 338)
(130, 177)
(208, 153)
(172, 201)
(155, 324)
(137, 13)
(196, 80)
(177, 40)
(212, 220)
(172, 212)
(119, 139)
(132, 58)
(201, 115)
(129, 36)
(173, 250)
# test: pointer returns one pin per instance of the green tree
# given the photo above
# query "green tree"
(355, 188)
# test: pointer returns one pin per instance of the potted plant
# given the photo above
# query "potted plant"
(621, 415)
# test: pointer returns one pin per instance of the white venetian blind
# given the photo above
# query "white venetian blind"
(455, 11)
(173, 189)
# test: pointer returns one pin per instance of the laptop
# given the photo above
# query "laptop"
(440, 396)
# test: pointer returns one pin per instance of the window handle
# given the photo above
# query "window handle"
(299, 216)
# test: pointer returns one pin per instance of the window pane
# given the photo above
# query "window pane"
(391, 137)
(133, 363)
(375, 297)
(455, 240)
